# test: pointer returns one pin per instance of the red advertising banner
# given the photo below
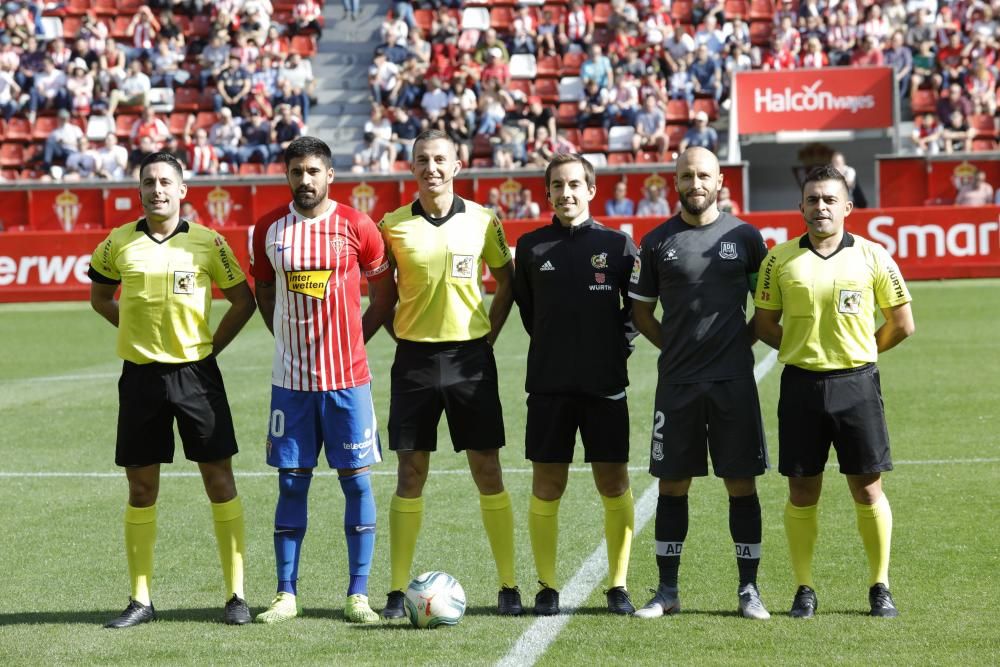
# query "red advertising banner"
(927, 242)
(931, 181)
(835, 98)
(65, 209)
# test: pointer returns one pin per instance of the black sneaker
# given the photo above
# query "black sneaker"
(619, 602)
(881, 601)
(547, 602)
(236, 612)
(805, 603)
(509, 602)
(394, 605)
(134, 614)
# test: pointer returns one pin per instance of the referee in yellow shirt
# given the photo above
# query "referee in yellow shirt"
(827, 285)
(166, 266)
(444, 357)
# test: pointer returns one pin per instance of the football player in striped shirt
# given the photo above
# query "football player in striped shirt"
(308, 258)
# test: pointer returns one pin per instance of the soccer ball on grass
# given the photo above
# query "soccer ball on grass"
(434, 599)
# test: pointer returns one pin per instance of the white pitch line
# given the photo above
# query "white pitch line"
(391, 473)
(533, 643)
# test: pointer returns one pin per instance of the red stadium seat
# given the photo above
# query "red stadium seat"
(77, 7)
(479, 163)
(251, 169)
(678, 111)
(424, 19)
(129, 6)
(9, 174)
(523, 85)
(682, 11)
(201, 26)
(736, 9)
(549, 66)
(276, 169)
(709, 106)
(18, 129)
(11, 155)
(502, 19)
(186, 99)
(620, 158)
(923, 101)
(177, 123)
(571, 64)
(71, 27)
(557, 10)
(105, 7)
(304, 45)
(123, 124)
(481, 146)
(674, 135)
(33, 153)
(984, 126)
(761, 10)
(602, 12)
(548, 90)
(44, 125)
(760, 33)
(119, 28)
(983, 145)
(648, 157)
(566, 114)
(595, 140)
(572, 135)
(205, 119)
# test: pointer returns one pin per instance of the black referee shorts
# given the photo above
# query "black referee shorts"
(553, 420)
(693, 421)
(151, 396)
(842, 407)
(458, 378)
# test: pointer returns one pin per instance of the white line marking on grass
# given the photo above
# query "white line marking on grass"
(533, 643)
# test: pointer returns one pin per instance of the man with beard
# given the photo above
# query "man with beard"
(444, 357)
(830, 284)
(308, 258)
(700, 265)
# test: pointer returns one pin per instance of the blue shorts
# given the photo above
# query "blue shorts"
(303, 421)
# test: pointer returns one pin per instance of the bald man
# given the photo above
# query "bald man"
(700, 265)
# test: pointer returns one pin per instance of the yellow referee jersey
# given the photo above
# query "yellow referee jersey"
(166, 291)
(829, 304)
(439, 269)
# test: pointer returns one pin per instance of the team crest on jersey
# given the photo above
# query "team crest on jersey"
(657, 452)
(727, 250)
(599, 278)
(183, 282)
(338, 243)
(599, 261)
(310, 283)
(461, 266)
(849, 302)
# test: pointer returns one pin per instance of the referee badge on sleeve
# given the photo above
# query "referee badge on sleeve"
(849, 302)
(183, 282)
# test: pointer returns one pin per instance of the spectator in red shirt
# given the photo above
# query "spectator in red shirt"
(496, 69)
(814, 55)
(779, 57)
(868, 53)
(307, 16)
(149, 125)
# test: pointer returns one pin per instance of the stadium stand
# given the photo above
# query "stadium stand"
(254, 58)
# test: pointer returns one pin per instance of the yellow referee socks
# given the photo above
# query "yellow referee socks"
(140, 536)
(801, 528)
(405, 517)
(875, 526)
(498, 519)
(619, 521)
(230, 535)
(543, 527)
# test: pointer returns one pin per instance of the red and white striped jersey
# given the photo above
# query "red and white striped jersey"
(316, 265)
(201, 159)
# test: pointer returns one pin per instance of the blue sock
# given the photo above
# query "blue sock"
(290, 518)
(359, 526)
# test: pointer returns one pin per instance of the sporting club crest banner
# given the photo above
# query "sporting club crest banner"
(837, 98)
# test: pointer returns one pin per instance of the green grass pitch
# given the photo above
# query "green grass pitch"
(63, 566)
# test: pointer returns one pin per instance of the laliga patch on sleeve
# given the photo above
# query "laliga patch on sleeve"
(849, 302)
(183, 282)
(461, 266)
(636, 271)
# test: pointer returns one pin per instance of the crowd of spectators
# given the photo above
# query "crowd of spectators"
(221, 84)
(648, 78)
